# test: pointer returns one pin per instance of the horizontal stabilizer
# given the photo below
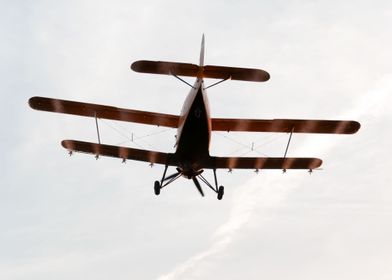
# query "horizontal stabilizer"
(263, 163)
(165, 68)
(119, 152)
(192, 70)
(102, 111)
(234, 73)
(286, 125)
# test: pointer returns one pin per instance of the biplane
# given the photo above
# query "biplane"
(194, 126)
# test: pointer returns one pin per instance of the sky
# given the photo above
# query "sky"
(76, 217)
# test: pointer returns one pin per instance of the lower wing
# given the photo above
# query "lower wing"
(262, 163)
(170, 159)
(120, 152)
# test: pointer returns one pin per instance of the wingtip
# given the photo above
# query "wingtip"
(267, 76)
(352, 127)
(135, 66)
(67, 144)
(38, 102)
(317, 163)
(357, 126)
(32, 101)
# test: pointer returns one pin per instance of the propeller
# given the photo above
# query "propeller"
(197, 184)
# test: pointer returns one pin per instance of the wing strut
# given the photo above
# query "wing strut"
(288, 143)
(287, 147)
(96, 125)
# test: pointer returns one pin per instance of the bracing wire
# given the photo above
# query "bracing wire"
(124, 132)
(126, 136)
(252, 148)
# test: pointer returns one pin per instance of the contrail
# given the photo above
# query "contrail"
(271, 191)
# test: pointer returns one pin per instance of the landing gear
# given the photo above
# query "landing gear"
(157, 188)
(166, 180)
(221, 191)
(158, 185)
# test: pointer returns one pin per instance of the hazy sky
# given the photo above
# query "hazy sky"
(78, 218)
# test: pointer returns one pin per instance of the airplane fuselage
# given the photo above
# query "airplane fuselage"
(194, 130)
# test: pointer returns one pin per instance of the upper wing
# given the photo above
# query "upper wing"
(102, 111)
(193, 70)
(120, 152)
(262, 163)
(114, 113)
(282, 125)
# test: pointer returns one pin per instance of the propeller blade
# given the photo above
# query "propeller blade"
(197, 184)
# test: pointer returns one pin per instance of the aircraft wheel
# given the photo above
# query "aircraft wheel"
(157, 188)
(221, 191)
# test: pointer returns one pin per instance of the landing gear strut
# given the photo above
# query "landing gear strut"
(165, 180)
(158, 185)
(219, 191)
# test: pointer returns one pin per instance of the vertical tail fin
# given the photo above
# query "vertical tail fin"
(201, 61)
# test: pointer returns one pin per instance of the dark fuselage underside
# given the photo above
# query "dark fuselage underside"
(194, 131)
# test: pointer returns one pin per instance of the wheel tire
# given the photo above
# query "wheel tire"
(157, 188)
(221, 191)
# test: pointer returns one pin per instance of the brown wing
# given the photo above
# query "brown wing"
(193, 70)
(119, 152)
(102, 111)
(262, 163)
(171, 159)
(282, 125)
(166, 68)
(235, 73)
